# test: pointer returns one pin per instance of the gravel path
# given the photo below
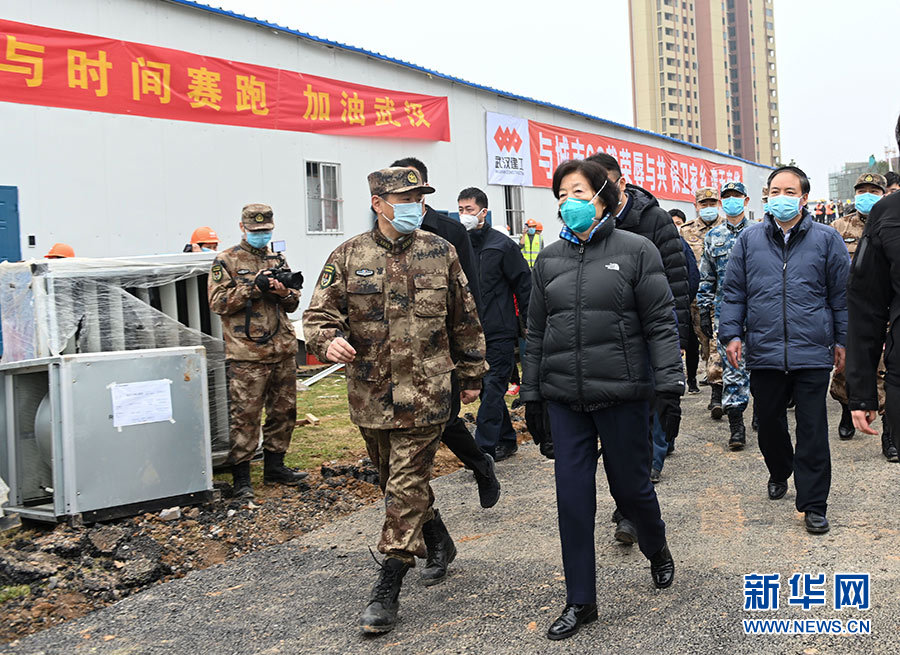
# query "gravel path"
(506, 585)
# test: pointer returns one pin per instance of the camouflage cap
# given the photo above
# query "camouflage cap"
(257, 217)
(706, 193)
(397, 179)
(734, 186)
(872, 178)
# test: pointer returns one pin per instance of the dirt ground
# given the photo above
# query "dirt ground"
(51, 574)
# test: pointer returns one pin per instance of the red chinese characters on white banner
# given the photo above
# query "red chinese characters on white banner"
(665, 174)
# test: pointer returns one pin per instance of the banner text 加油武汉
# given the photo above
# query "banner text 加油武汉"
(55, 68)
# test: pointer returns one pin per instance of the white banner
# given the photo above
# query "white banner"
(508, 150)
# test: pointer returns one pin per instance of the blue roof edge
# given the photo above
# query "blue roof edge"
(481, 87)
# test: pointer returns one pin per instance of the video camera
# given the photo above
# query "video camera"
(289, 278)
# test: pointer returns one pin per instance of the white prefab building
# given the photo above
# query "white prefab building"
(112, 183)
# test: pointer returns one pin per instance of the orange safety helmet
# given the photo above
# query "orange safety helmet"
(60, 251)
(540, 227)
(204, 235)
(531, 223)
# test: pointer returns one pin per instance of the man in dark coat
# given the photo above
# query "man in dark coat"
(505, 281)
(456, 435)
(786, 298)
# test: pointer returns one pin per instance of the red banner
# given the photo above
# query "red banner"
(665, 174)
(54, 68)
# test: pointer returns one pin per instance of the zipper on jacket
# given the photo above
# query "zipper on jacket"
(784, 251)
(578, 349)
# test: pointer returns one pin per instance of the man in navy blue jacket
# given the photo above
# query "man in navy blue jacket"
(785, 295)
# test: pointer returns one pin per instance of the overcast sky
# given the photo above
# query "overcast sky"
(838, 61)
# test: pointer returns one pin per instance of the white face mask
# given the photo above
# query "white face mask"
(469, 221)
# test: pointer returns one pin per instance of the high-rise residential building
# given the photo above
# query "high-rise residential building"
(704, 71)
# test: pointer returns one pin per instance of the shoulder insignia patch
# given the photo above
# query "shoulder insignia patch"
(216, 273)
(365, 272)
(327, 278)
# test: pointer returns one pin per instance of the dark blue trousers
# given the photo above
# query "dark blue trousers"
(493, 426)
(626, 459)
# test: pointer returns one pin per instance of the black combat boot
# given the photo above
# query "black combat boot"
(888, 448)
(240, 474)
(845, 427)
(441, 550)
(738, 431)
(380, 614)
(715, 401)
(275, 472)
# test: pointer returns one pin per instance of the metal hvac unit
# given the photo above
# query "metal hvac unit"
(80, 305)
(93, 437)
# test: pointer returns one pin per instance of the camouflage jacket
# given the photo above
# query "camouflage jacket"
(695, 231)
(850, 227)
(406, 308)
(717, 247)
(231, 288)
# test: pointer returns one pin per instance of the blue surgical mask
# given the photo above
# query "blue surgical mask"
(531, 231)
(407, 216)
(709, 214)
(579, 214)
(259, 239)
(865, 201)
(784, 208)
(766, 207)
(733, 206)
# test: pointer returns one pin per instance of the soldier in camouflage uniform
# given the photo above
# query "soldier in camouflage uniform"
(717, 247)
(869, 188)
(260, 346)
(706, 202)
(394, 305)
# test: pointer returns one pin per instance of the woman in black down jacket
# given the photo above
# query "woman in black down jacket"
(602, 341)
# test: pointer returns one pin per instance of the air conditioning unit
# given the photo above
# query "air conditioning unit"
(54, 307)
(97, 436)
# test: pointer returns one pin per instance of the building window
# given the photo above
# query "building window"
(515, 209)
(323, 198)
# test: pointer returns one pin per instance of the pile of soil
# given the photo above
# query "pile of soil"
(53, 573)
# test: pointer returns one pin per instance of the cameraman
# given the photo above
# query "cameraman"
(260, 346)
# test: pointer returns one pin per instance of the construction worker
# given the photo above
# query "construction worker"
(531, 242)
(60, 251)
(820, 212)
(204, 239)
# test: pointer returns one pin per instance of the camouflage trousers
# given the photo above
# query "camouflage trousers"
(735, 382)
(252, 386)
(708, 350)
(839, 386)
(404, 458)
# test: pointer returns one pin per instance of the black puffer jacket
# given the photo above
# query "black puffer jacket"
(647, 218)
(600, 323)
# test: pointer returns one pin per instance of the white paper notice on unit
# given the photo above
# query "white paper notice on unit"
(136, 403)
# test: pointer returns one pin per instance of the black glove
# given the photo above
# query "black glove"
(668, 408)
(706, 326)
(534, 419)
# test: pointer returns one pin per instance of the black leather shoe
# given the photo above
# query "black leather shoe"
(777, 490)
(845, 427)
(488, 484)
(572, 618)
(662, 568)
(655, 475)
(888, 449)
(505, 452)
(816, 523)
(692, 387)
(626, 532)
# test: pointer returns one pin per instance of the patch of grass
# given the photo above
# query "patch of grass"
(8, 593)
